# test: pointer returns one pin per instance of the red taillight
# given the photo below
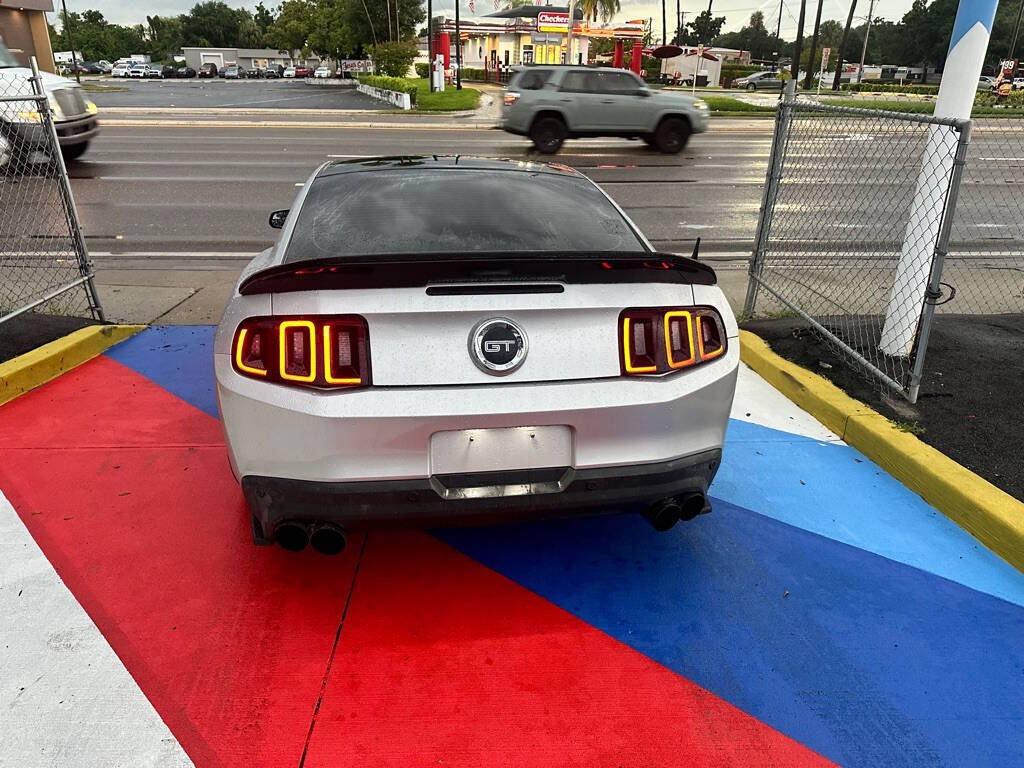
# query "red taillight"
(658, 341)
(322, 352)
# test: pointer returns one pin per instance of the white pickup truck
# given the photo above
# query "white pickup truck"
(21, 125)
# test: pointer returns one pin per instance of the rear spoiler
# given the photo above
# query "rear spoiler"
(422, 270)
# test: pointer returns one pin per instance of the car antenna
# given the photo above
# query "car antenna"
(696, 251)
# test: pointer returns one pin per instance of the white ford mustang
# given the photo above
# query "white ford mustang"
(451, 339)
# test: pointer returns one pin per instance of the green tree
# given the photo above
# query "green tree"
(263, 17)
(603, 9)
(293, 25)
(213, 22)
(367, 21)
(703, 28)
(393, 59)
(249, 33)
(165, 36)
(753, 37)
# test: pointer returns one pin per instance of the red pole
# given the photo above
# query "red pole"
(617, 60)
(446, 49)
(637, 55)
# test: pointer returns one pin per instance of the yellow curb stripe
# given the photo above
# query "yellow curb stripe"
(28, 371)
(991, 515)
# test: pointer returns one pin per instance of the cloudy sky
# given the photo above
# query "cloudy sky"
(736, 12)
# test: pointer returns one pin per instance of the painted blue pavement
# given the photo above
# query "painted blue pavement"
(866, 660)
(177, 357)
(835, 491)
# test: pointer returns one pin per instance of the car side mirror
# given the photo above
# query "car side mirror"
(277, 218)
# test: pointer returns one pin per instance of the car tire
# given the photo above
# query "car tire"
(74, 152)
(671, 135)
(751, 87)
(548, 134)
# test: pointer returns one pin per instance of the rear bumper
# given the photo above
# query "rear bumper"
(483, 498)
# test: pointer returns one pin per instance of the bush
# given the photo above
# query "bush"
(1014, 100)
(422, 70)
(393, 59)
(471, 73)
(390, 84)
(889, 88)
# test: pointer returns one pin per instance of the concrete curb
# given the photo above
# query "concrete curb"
(333, 125)
(992, 516)
(28, 371)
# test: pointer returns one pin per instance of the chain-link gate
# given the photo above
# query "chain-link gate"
(44, 264)
(853, 231)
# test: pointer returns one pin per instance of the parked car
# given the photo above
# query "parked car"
(254, 74)
(303, 72)
(273, 72)
(760, 81)
(209, 69)
(370, 372)
(289, 72)
(88, 68)
(105, 65)
(138, 70)
(986, 83)
(322, 72)
(154, 70)
(121, 69)
(233, 72)
(21, 127)
(551, 104)
(1018, 83)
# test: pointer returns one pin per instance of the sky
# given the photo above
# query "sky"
(736, 12)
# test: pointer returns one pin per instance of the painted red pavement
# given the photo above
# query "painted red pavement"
(441, 661)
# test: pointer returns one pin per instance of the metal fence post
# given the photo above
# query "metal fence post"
(771, 191)
(85, 265)
(934, 290)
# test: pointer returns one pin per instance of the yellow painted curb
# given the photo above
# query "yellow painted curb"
(992, 516)
(28, 371)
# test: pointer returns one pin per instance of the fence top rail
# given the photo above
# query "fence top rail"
(909, 117)
(23, 97)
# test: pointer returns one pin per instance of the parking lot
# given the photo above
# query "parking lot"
(216, 92)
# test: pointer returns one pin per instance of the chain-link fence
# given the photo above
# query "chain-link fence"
(855, 221)
(985, 263)
(44, 264)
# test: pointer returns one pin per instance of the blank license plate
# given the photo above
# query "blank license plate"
(493, 450)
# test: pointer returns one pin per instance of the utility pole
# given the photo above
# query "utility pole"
(842, 46)
(794, 69)
(864, 50)
(679, 22)
(1016, 29)
(814, 46)
(458, 46)
(430, 42)
(778, 31)
(664, 25)
(71, 41)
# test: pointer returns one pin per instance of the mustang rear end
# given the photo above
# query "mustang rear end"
(368, 374)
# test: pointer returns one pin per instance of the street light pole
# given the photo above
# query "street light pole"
(458, 48)
(814, 46)
(778, 31)
(71, 41)
(1016, 29)
(864, 50)
(664, 25)
(842, 46)
(568, 32)
(430, 42)
(795, 66)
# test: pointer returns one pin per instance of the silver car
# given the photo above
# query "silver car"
(435, 340)
(552, 104)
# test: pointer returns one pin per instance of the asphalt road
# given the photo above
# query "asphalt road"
(188, 190)
(240, 94)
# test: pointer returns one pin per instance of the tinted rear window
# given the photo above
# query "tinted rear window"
(418, 210)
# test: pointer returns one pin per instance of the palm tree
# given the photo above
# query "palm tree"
(603, 8)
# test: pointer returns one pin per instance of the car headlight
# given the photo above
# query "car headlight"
(701, 105)
(58, 113)
(91, 107)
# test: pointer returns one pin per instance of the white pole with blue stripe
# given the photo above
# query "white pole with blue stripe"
(971, 30)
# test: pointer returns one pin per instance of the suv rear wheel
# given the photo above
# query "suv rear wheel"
(671, 135)
(547, 134)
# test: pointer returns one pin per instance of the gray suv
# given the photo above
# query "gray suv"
(553, 103)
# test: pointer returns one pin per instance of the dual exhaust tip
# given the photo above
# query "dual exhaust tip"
(330, 539)
(665, 513)
(325, 538)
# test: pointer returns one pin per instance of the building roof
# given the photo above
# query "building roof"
(532, 11)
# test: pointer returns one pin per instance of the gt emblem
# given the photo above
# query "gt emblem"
(498, 346)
